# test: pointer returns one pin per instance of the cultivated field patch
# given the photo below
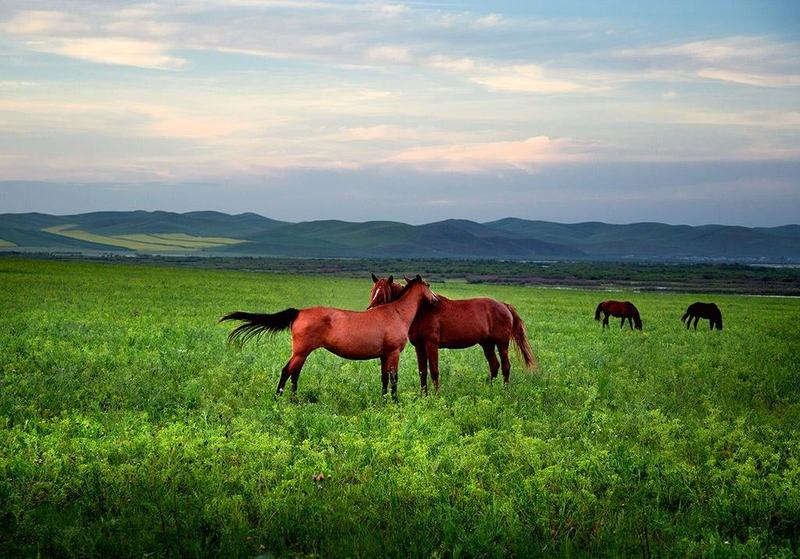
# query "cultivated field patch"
(147, 242)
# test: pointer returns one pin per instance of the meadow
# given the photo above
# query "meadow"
(129, 428)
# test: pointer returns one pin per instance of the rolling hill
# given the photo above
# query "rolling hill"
(215, 233)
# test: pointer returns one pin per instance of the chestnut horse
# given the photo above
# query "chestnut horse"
(620, 309)
(697, 311)
(379, 332)
(458, 324)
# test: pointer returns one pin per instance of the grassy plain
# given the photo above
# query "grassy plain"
(128, 428)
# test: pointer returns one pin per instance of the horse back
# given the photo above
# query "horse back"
(349, 334)
(615, 308)
(703, 310)
(462, 323)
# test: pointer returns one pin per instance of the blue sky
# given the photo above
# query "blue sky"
(682, 112)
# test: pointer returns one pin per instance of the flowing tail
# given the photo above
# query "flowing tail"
(685, 316)
(521, 340)
(257, 324)
(597, 312)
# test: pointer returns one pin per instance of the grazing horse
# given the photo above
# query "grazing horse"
(457, 324)
(623, 309)
(378, 332)
(697, 311)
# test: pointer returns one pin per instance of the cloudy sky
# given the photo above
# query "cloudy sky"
(680, 111)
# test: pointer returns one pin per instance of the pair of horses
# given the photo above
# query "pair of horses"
(627, 311)
(396, 313)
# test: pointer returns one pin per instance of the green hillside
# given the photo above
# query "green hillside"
(250, 234)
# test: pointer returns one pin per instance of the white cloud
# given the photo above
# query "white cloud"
(456, 65)
(751, 60)
(751, 78)
(378, 132)
(43, 22)
(526, 78)
(490, 20)
(107, 50)
(387, 53)
(517, 78)
(480, 157)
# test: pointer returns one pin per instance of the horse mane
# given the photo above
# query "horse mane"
(406, 288)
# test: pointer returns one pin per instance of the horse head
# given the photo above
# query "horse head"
(427, 294)
(637, 320)
(384, 290)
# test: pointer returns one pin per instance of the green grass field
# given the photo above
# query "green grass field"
(128, 427)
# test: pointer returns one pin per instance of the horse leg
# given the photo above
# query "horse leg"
(622, 324)
(422, 363)
(502, 348)
(292, 368)
(696, 320)
(605, 320)
(494, 364)
(392, 362)
(284, 377)
(433, 361)
(689, 320)
(384, 375)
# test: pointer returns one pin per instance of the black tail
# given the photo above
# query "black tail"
(257, 324)
(597, 312)
(685, 316)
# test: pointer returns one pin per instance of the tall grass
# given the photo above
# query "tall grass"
(128, 428)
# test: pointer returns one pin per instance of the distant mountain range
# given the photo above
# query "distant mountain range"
(248, 234)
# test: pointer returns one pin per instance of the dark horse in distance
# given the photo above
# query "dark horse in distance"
(458, 324)
(620, 309)
(697, 311)
(377, 332)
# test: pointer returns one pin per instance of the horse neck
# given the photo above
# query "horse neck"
(408, 304)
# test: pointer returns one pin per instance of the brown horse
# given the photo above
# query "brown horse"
(379, 332)
(697, 311)
(457, 324)
(620, 309)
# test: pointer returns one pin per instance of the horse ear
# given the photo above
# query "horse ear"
(408, 279)
(374, 278)
(391, 279)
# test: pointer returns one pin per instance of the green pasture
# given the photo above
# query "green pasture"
(128, 428)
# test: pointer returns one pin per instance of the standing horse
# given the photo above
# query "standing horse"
(620, 309)
(458, 324)
(379, 332)
(697, 311)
